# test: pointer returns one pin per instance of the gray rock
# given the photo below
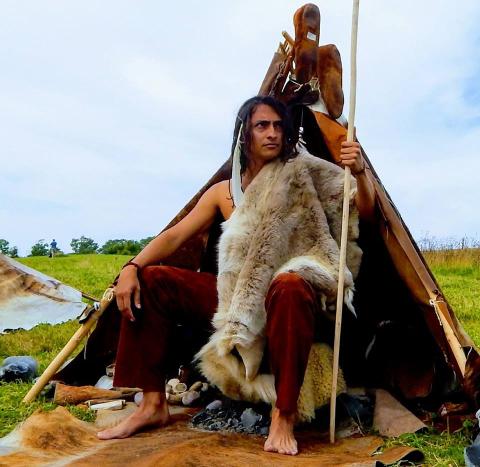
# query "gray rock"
(138, 398)
(263, 431)
(215, 405)
(216, 426)
(249, 418)
(18, 368)
(234, 416)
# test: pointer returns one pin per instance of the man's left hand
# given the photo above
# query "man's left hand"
(351, 156)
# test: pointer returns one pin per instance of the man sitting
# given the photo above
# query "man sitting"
(165, 296)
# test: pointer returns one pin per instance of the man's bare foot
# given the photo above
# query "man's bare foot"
(153, 412)
(280, 438)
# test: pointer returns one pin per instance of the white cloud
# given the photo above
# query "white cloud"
(115, 113)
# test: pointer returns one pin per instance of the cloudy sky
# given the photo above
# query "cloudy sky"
(115, 113)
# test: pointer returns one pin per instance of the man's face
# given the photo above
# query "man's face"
(266, 134)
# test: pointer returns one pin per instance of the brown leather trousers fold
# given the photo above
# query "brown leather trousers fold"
(173, 297)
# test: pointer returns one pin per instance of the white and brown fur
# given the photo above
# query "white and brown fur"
(289, 221)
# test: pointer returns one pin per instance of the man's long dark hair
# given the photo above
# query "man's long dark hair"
(244, 116)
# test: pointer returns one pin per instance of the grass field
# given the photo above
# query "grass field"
(458, 273)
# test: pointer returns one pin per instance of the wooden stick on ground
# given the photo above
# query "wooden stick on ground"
(89, 297)
(71, 345)
(345, 215)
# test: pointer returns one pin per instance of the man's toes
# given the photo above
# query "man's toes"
(286, 451)
(105, 434)
(269, 447)
(281, 447)
(294, 448)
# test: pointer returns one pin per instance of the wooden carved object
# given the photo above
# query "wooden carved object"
(314, 61)
(307, 35)
(76, 394)
(65, 394)
(329, 73)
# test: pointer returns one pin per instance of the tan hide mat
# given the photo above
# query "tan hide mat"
(110, 418)
(58, 438)
(391, 418)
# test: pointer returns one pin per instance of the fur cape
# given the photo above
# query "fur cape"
(289, 221)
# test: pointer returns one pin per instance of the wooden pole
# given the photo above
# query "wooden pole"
(345, 215)
(71, 345)
(441, 310)
(89, 297)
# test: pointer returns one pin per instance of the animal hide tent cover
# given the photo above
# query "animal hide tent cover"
(399, 340)
(29, 297)
(289, 221)
(392, 300)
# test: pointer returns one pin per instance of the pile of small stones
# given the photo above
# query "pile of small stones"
(243, 417)
(233, 416)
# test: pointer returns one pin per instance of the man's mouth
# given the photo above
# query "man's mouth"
(271, 146)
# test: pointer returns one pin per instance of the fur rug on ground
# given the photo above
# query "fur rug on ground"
(58, 438)
(289, 221)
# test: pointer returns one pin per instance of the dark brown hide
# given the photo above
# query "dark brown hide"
(329, 72)
(272, 79)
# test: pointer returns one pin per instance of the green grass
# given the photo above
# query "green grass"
(458, 274)
(440, 449)
(91, 274)
(88, 273)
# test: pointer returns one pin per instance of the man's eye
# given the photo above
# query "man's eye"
(261, 125)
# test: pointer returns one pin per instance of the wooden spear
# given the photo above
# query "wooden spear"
(71, 345)
(346, 201)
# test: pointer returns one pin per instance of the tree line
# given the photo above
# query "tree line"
(81, 246)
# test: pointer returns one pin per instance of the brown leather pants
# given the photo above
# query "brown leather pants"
(173, 298)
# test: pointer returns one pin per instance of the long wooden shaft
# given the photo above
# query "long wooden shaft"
(89, 297)
(457, 349)
(61, 358)
(345, 215)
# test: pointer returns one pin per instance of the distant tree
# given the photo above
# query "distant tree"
(41, 248)
(7, 250)
(145, 241)
(83, 245)
(4, 246)
(121, 247)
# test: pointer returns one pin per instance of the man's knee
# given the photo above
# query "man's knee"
(289, 291)
(290, 282)
(290, 306)
(155, 276)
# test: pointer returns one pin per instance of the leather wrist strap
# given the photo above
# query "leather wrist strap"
(132, 263)
(358, 172)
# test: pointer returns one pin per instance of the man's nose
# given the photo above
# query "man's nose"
(273, 131)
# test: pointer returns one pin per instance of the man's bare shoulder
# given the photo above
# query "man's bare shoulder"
(222, 186)
(223, 197)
